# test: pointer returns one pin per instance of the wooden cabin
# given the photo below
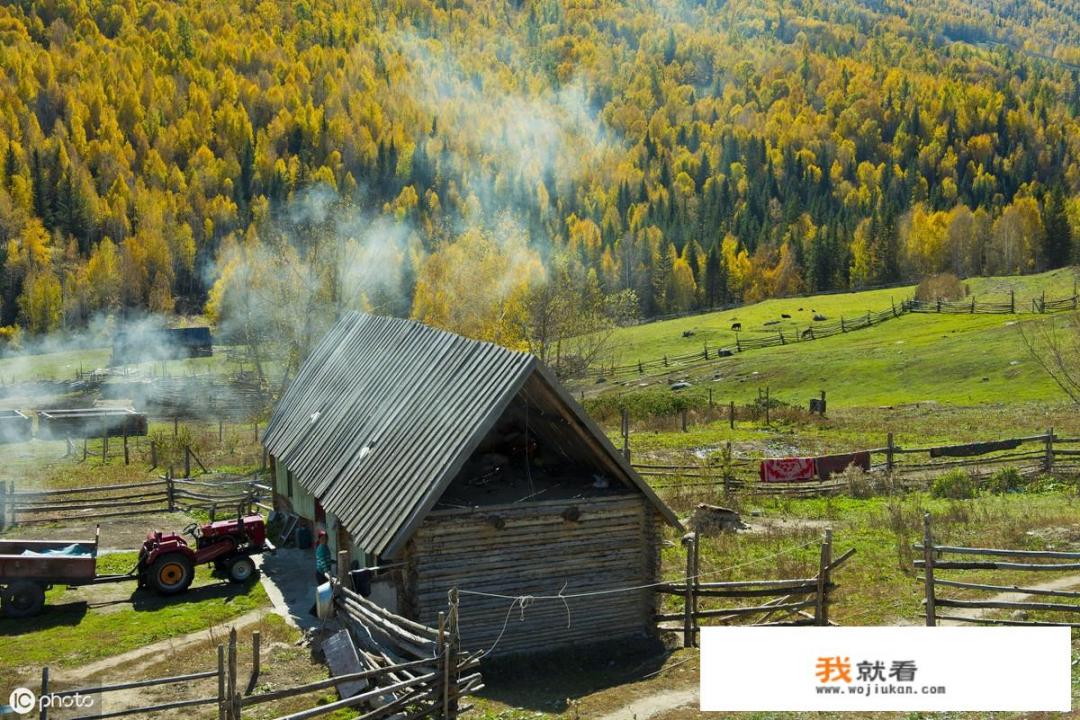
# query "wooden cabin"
(449, 463)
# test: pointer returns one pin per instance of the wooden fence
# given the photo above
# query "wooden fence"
(1006, 596)
(794, 601)
(410, 672)
(224, 698)
(905, 468)
(165, 494)
(973, 307)
(429, 661)
(772, 338)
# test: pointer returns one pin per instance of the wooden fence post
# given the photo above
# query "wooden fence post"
(256, 661)
(625, 428)
(230, 689)
(170, 490)
(928, 569)
(176, 426)
(890, 450)
(127, 457)
(843, 327)
(1048, 461)
(452, 649)
(187, 461)
(822, 412)
(221, 681)
(220, 431)
(1012, 302)
(689, 602)
(731, 415)
(444, 661)
(821, 606)
(153, 454)
(767, 403)
(682, 418)
(710, 399)
(343, 563)
(43, 712)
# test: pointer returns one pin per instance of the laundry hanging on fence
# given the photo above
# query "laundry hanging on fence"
(970, 449)
(829, 464)
(787, 469)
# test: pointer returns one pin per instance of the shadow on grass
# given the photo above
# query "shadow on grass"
(144, 600)
(70, 614)
(545, 683)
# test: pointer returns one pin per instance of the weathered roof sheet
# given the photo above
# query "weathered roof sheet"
(385, 412)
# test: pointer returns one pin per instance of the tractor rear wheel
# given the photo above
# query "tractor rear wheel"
(22, 598)
(172, 573)
(241, 568)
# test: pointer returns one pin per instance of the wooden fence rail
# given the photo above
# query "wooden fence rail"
(167, 494)
(1007, 597)
(792, 598)
(1051, 453)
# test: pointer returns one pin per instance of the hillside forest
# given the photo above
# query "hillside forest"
(521, 170)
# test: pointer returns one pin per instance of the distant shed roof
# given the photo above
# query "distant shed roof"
(385, 412)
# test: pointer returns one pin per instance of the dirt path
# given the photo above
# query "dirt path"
(655, 704)
(154, 652)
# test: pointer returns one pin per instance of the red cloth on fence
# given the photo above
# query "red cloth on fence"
(787, 469)
(829, 464)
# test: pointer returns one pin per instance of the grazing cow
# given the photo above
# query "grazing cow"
(688, 333)
(808, 333)
(785, 316)
(736, 326)
(800, 310)
(724, 352)
(772, 322)
(819, 318)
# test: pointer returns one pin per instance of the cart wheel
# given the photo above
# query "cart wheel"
(241, 569)
(172, 573)
(22, 598)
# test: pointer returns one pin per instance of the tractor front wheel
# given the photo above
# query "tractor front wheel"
(22, 598)
(171, 573)
(241, 568)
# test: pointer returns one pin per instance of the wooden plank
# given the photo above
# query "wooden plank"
(1007, 605)
(742, 610)
(990, 621)
(1004, 588)
(997, 551)
(976, 565)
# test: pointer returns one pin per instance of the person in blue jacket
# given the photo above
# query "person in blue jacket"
(322, 559)
(322, 564)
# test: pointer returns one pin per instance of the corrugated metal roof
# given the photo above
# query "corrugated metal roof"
(385, 412)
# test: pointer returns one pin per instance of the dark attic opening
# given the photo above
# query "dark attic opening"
(533, 452)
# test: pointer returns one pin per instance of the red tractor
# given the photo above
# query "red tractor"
(167, 561)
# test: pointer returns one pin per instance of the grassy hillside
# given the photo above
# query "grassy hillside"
(960, 359)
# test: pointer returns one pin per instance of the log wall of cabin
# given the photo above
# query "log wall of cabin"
(613, 543)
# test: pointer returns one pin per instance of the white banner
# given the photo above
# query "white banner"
(886, 668)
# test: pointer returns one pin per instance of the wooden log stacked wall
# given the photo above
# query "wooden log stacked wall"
(612, 543)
